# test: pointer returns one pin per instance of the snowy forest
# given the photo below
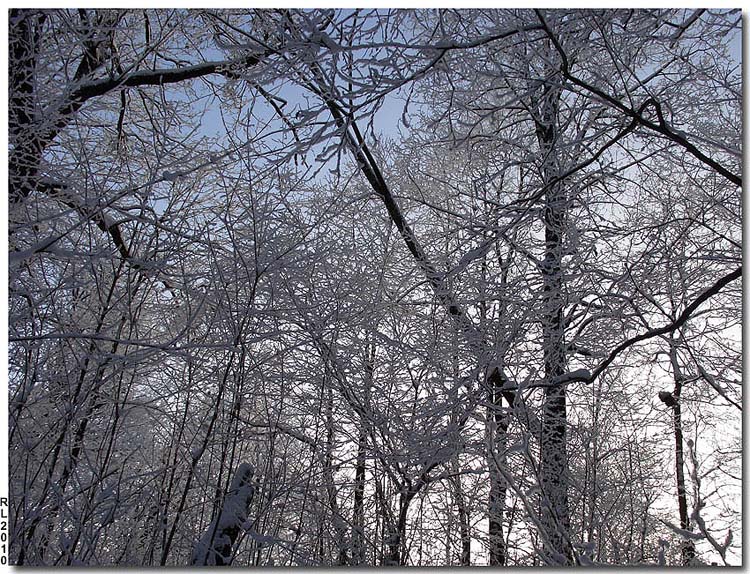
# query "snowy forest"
(336, 287)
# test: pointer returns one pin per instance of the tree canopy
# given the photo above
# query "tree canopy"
(375, 287)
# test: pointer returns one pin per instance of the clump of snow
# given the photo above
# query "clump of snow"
(215, 546)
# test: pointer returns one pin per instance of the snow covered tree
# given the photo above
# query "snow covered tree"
(359, 287)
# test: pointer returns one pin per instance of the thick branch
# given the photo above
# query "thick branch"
(671, 327)
(160, 77)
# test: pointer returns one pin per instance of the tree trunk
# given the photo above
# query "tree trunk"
(24, 31)
(463, 524)
(688, 547)
(216, 545)
(339, 526)
(554, 463)
(496, 445)
(393, 547)
(395, 537)
(358, 528)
